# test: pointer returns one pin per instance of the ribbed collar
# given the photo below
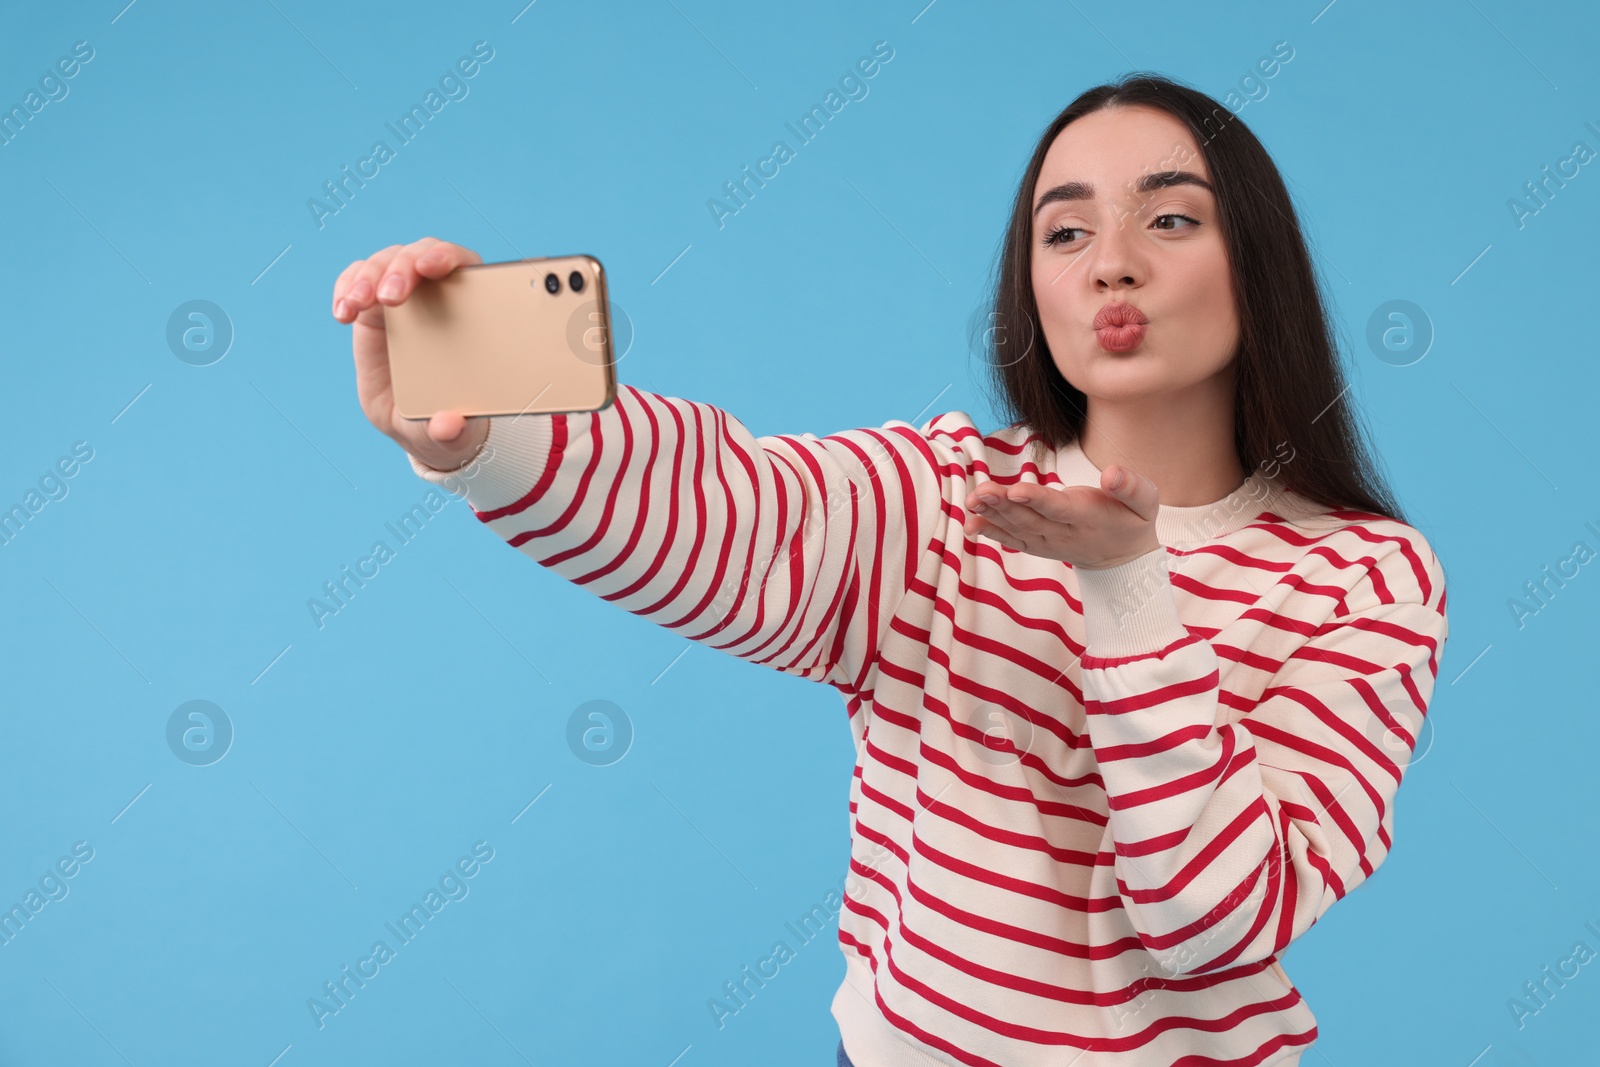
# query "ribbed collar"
(1192, 525)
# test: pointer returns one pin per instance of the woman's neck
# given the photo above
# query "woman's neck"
(1183, 442)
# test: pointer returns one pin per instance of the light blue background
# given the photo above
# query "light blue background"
(423, 718)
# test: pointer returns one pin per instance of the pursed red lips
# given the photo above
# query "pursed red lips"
(1119, 314)
(1120, 327)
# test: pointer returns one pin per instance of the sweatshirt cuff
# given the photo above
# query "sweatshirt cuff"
(510, 462)
(1128, 609)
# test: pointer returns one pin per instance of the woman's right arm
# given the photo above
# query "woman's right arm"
(789, 551)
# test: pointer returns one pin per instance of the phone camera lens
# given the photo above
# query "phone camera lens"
(575, 279)
(552, 283)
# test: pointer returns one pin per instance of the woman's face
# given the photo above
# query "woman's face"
(1113, 241)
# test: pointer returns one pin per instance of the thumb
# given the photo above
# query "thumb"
(445, 426)
(1134, 490)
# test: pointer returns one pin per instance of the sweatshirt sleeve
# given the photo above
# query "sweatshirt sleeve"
(789, 551)
(1237, 827)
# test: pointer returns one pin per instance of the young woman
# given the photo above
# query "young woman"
(1132, 680)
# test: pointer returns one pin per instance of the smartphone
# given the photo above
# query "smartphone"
(521, 337)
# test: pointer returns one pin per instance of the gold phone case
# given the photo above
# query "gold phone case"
(492, 339)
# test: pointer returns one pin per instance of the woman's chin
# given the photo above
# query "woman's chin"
(1114, 374)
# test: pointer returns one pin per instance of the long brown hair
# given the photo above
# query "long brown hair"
(1290, 390)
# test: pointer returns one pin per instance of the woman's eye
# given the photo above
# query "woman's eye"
(1058, 234)
(1173, 216)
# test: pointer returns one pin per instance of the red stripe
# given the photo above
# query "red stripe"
(580, 503)
(669, 540)
(1154, 698)
(962, 639)
(798, 563)
(1014, 838)
(1033, 760)
(1054, 809)
(574, 505)
(724, 551)
(1092, 662)
(1194, 781)
(1199, 861)
(1156, 746)
(747, 465)
(558, 445)
(1308, 748)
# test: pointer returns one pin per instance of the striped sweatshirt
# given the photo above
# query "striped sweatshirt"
(1090, 808)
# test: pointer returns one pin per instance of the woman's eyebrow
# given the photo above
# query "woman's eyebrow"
(1149, 183)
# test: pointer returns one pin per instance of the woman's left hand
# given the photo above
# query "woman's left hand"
(1077, 524)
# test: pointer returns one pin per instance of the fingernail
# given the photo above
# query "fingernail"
(338, 309)
(390, 287)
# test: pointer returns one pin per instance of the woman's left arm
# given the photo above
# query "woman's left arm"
(1233, 837)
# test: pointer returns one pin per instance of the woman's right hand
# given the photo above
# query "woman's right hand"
(448, 439)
